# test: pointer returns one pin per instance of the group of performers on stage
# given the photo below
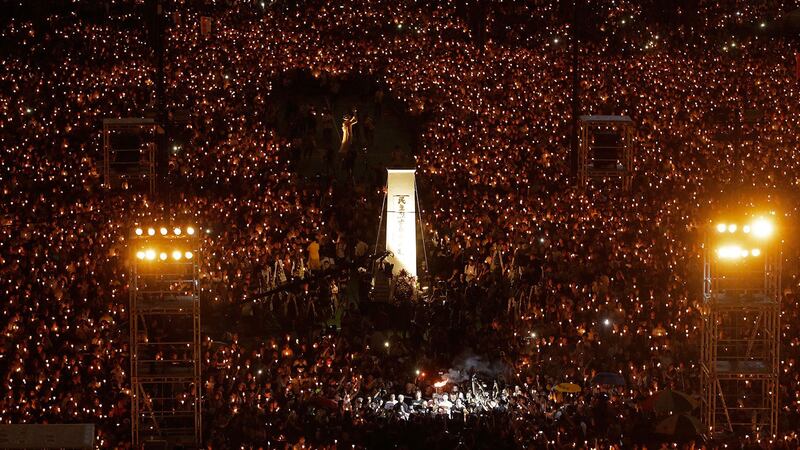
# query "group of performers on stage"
(479, 398)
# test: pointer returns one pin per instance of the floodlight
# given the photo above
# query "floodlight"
(177, 231)
(188, 255)
(730, 252)
(746, 228)
(744, 253)
(140, 254)
(755, 252)
(150, 254)
(162, 256)
(732, 228)
(762, 227)
(176, 255)
(190, 231)
(151, 231)
(721, 227)
(163, 231)
(139, 231)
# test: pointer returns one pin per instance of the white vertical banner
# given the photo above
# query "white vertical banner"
(401, 220)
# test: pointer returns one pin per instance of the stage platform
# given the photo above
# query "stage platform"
(737, 367)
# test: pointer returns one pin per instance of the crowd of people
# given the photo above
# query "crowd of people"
(534, 281)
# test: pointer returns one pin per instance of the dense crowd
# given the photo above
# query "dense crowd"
(534, 282)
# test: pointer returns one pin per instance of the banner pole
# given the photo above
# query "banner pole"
(421, 228)
(380, 223)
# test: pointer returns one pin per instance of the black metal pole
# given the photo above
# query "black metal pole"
(156, 19)
(575, 88)
(162, 103)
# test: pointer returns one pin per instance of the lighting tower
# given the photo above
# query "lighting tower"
(605, 149)
(129, 153)
(165, 337)
(741, 327)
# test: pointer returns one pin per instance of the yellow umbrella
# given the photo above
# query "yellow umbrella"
(567, 387)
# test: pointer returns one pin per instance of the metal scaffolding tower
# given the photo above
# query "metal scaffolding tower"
(165, 339)
(741, 327)
(129, 153)
(605, 149)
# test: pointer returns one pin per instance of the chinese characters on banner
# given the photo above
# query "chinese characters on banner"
(401, 217)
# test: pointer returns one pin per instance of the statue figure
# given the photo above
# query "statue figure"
(347, 132)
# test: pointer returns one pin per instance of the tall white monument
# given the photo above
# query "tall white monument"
(401, 220)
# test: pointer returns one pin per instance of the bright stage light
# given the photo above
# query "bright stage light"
(762, 227)
(177, 231)
(150, 254)
(755, 252)
(721, 227)
(746, 228)
(190, 231)
(163, 231)
(731, 252)
(162, 256)
(732, 228)
(139, 231)
(151, 232)
(176, 255)
(140, 254)
(188, 255)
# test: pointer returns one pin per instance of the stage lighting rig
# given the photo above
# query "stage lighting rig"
(149, 254)
(732, 243)
(164, 244)
(170, 232)
(164, 286)
(739, 349)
